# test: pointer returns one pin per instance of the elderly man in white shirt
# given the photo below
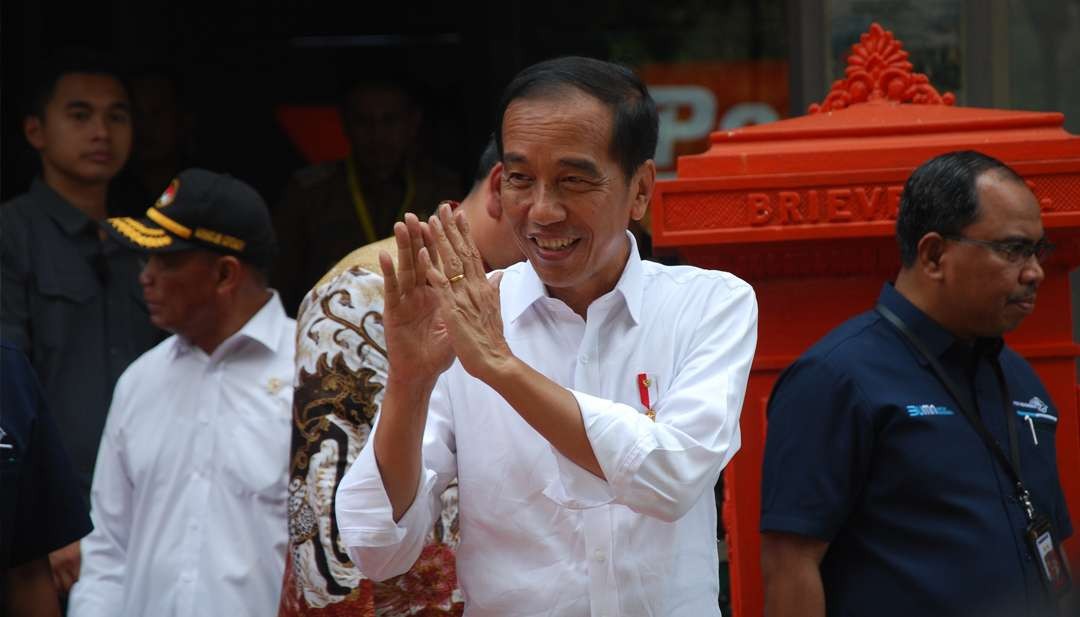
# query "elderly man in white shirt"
(189, 491)
(586, 400)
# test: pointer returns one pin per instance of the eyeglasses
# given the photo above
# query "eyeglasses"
(1014, 251)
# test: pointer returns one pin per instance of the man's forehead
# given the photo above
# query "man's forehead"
(89, 87)
(571, 129)
(1005, 201)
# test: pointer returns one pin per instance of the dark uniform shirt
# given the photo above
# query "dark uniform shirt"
(73, 304)
(41, 508)
(867, 451)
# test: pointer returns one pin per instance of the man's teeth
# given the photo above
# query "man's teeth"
(554, 245)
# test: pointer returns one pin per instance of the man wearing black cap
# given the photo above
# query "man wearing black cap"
(188, 499)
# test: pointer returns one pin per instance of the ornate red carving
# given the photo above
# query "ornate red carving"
(878, 70)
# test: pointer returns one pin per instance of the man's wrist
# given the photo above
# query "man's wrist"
(504, 372)
(410, 392)
(408, 380)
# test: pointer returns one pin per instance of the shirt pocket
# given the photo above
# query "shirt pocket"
(61, 305)
(255, 451)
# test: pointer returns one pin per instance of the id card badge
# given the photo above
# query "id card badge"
(1047, 551)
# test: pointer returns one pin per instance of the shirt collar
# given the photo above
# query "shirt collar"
(264, 328)
(933, 335)
(530, 288)
(70, 219)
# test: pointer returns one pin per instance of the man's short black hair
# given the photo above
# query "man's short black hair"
(940, 196)
(66, 62)
(488, 158)
(635, 125)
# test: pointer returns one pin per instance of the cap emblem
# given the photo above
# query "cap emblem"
(169, 195)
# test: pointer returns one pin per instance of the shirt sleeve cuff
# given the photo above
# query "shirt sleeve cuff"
(365, 515)
(619, 443)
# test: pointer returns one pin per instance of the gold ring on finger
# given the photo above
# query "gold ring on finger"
(457, 277)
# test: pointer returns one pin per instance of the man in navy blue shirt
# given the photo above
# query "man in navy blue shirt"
(41, 506)
(879, 496)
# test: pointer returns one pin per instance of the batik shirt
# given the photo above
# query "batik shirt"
(341, 369)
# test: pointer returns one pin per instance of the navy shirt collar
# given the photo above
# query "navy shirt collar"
(70, 219)
(936, 338)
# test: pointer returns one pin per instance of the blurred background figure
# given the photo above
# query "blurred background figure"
(164, 137)
(331, 208)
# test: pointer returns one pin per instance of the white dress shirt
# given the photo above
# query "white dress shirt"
(189, 493)
(542, 536)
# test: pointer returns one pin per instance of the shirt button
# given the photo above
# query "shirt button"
(584, 359)
(599, 556)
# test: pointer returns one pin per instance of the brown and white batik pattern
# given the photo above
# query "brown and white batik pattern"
(341, 369)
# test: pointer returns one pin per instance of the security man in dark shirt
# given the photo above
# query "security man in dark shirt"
(910, 466)
(41, 506)
(70, 300)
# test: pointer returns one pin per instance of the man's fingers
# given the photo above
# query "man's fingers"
(455, 237)
(416, 241)
(406, 271)
(470, 245)
(435, 278)
(429, 242)
(391, 290)
(451, 263)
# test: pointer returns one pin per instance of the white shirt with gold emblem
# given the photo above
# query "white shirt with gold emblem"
(189, 493)
(542, 536)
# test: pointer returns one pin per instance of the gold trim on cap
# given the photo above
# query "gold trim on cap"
(156, 215)
(141, 235)
(201, 233)
(220, 239)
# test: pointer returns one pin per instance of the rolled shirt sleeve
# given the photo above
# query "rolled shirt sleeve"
(661, 468)
(378, 546)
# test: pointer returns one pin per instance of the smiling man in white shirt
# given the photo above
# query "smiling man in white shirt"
(189, 493)
(585, 400)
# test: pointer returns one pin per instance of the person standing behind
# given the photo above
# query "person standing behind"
(331, 208)
(189, 491)
(898, 444)
(340, 375)
(164, 137)
(70, 300)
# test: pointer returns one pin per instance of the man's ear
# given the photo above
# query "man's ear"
(34, 131)
(929, 254)
(641, 188)
(227, 273)
(493, 186)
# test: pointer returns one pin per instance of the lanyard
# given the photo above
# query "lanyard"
(1010, 464)
(361, 205)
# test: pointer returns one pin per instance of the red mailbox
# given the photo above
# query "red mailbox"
(804, 210)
